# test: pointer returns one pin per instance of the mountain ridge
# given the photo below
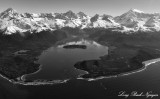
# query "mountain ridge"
(132, 21)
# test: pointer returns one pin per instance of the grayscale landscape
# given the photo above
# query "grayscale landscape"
(74, 55)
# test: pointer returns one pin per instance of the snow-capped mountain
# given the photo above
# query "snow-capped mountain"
(134, 20)
(104, 21)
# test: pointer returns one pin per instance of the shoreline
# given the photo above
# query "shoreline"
(23, 77)
(145, 65)
(118, 75)
(52, 82)
(42, 82)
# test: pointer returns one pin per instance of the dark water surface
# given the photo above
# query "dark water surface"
(58, 64)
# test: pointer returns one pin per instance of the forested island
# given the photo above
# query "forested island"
(75, 46)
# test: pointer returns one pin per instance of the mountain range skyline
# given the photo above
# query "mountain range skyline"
(131, 21)
(131, 9)
(91, 7)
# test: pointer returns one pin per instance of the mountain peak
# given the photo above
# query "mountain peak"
(81, 14)
(70, 14)
(9, 9)
(135, 10)
(94, 18)
(10, 12)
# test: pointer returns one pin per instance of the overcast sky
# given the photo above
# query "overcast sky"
(90, 7)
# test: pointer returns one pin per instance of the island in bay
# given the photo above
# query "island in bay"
(75, 46)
